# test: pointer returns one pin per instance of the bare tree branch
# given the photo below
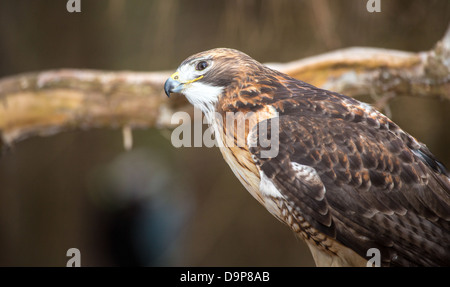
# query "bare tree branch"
(49, 102)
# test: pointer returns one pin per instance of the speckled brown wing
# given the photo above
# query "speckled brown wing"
(345, 175)
(379, 193)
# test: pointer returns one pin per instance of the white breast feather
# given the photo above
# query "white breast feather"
(267, 187)
(203, 97)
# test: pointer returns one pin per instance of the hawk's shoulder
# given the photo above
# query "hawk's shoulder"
(357, 177)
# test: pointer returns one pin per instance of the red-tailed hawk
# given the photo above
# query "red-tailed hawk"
(345, 178)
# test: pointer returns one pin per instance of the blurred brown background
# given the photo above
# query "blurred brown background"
(157, 205)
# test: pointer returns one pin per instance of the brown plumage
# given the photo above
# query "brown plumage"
(345, 177)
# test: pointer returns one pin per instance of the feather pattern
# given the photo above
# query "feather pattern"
(345, 178)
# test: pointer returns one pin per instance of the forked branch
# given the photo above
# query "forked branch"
(49, 102)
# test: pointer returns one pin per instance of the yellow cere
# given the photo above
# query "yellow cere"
(176, 76)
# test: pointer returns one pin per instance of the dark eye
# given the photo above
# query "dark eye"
(201, 65)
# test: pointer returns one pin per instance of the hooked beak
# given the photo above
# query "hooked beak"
(172, 85)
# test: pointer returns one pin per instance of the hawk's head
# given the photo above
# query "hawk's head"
(203, 77)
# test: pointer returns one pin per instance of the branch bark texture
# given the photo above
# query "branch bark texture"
(48, 102)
